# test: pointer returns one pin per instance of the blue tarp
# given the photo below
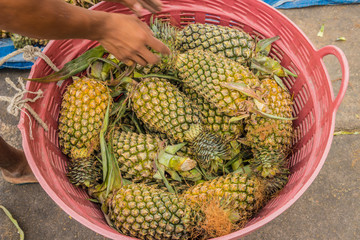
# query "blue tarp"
(18, 62)
(306, 3)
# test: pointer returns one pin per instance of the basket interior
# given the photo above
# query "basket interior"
(311, 92)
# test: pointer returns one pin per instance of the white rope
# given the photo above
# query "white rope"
(17, 103)
(29, 54)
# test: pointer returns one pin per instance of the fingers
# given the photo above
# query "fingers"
(151, 5)
(148, 56)
(158, 46)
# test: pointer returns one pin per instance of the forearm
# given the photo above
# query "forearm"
(50, 19)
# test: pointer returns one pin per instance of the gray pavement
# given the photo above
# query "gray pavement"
(329, 209)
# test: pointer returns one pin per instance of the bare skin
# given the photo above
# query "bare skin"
(125, 36)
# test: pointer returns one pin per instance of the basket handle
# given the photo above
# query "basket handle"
(339, 54)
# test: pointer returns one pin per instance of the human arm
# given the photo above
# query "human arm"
(124, 36)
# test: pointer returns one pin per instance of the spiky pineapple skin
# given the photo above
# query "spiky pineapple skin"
(82, 113)
(136, 155)
(162, 107)
(244, 193)
(233, 43)
(21, 41)
(84, 172)
(213, 119)
(206, 73)
(270, 138)
(144, 212)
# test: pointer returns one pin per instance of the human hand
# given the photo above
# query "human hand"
(128, 39)
(137, 5)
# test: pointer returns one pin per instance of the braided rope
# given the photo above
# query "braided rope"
(18, 103)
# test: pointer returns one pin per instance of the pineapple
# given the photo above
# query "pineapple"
(137, 153)
(242, 193)
(21, 41)
(84, 172)
(163, 108)
(271, 138)
(81, 116)
(144, 212)
(209, 75)
(213, 119)
(233, 43)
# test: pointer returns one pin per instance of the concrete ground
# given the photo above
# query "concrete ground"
(328, 210)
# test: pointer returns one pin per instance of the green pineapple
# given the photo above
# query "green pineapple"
(230, 42)
(84, 172)
(271, 138)
(211, 76)
(163, 108)
(233, 43)
(137, 153)
(144, 212)
(81, 116)
(213, 119)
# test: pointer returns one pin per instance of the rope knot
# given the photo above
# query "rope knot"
(30, 52)
(17, 102)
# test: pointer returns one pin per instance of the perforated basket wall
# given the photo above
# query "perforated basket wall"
(315, 105)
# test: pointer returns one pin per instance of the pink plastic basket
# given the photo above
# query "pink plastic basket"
(315, 104)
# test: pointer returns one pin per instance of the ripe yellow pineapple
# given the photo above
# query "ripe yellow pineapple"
(81, 116)
(241, 193)
(271, 138)
(213, 119)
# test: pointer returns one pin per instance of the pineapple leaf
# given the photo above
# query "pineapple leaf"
(174, 175)
(93, 200)
(265, 44)
(346, 133)
(239, 118)
(271, 116)
(287, 71)
(73, 67)
(111, 172)
(243, 88)
(280, 83)
(321, 31)
(259, 63)
(172, 149)
(259, 105)
(13, 220)
(162, 174)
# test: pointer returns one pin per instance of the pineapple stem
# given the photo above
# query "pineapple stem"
(13, 220)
